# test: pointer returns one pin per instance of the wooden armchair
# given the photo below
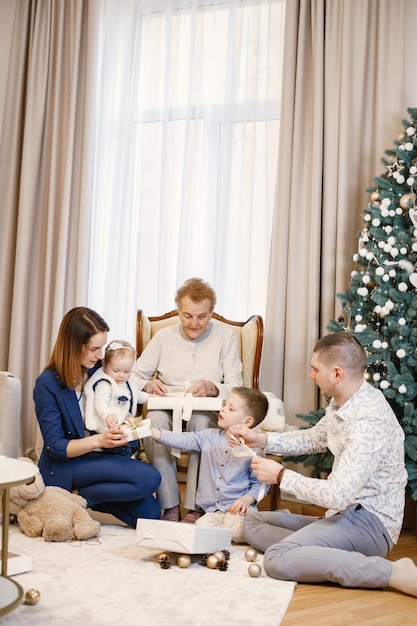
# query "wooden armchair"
(250, 341)
(249, 335)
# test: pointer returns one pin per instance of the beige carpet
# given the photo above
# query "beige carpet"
(113, 581)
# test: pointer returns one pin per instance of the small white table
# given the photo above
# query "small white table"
(12, 473)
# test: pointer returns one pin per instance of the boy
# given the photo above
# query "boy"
(227, 488)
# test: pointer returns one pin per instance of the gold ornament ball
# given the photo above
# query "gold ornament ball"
(212, 561)
(408, 201)
(251, 554)
(220, 556)
(376, 197)
(184, 561)
(254, 570)
(32, 596)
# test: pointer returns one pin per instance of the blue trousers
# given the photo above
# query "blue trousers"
(347, 548)
(118, 485)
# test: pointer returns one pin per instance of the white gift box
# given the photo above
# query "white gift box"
(182, 538)
(182, 406)
(143, 430)
(183, 400)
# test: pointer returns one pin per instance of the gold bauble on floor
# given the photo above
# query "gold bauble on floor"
(254, 570)
(32, 596)
(184, 561)
(251, 554)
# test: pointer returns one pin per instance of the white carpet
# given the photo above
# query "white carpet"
(114, 581)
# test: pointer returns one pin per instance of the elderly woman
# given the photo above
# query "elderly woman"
(203, 359)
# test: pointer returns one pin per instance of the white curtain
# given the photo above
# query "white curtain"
(185, 154)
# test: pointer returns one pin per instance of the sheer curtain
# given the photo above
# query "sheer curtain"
(185, 154)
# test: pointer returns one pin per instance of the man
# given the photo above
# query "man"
(364, 494)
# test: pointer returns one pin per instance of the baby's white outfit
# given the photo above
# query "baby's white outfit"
(104, 396)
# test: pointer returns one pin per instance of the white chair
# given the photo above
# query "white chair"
(10, 402)
(250, 340)
(249, 335)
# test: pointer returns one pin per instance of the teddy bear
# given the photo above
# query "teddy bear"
(51, 512)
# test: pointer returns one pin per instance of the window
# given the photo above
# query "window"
(186, 155)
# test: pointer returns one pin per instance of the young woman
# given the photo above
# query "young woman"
(72, 459)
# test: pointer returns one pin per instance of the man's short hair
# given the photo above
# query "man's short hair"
(344, 349)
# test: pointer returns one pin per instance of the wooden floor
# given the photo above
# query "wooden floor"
(331, 605)
(325, 605)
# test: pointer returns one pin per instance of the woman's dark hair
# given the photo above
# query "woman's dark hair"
(75, 331)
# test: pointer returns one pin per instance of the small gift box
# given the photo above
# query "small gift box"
(139, 432)
(182, 538)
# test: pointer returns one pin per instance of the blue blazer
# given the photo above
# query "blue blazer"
(60, 420)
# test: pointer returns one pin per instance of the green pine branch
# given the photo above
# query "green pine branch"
(380, 305)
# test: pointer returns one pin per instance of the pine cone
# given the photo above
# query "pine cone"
(223, 565)
(164, 560)
(226, 554)
(204, 559)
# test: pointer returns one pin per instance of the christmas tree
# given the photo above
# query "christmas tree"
(380, 305)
